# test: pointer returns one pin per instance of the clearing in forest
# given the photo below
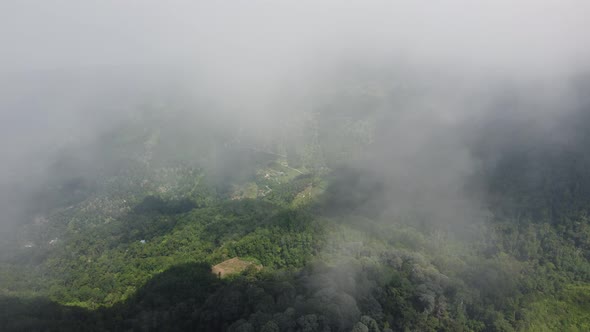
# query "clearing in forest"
(232, 266)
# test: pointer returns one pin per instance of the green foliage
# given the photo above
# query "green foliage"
(130, 246)
(568, 310)
(154, 204)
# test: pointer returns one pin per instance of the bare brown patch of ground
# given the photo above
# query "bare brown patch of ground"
(232, 266)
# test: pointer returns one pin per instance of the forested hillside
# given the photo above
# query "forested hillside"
(344, 217)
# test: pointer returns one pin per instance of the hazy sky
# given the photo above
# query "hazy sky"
(534, 35)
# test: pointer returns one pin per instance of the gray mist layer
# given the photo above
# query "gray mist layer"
(436, 78)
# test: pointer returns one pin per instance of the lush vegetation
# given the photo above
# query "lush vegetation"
(130, 245)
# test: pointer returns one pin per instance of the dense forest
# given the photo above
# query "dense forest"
(345, 217)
